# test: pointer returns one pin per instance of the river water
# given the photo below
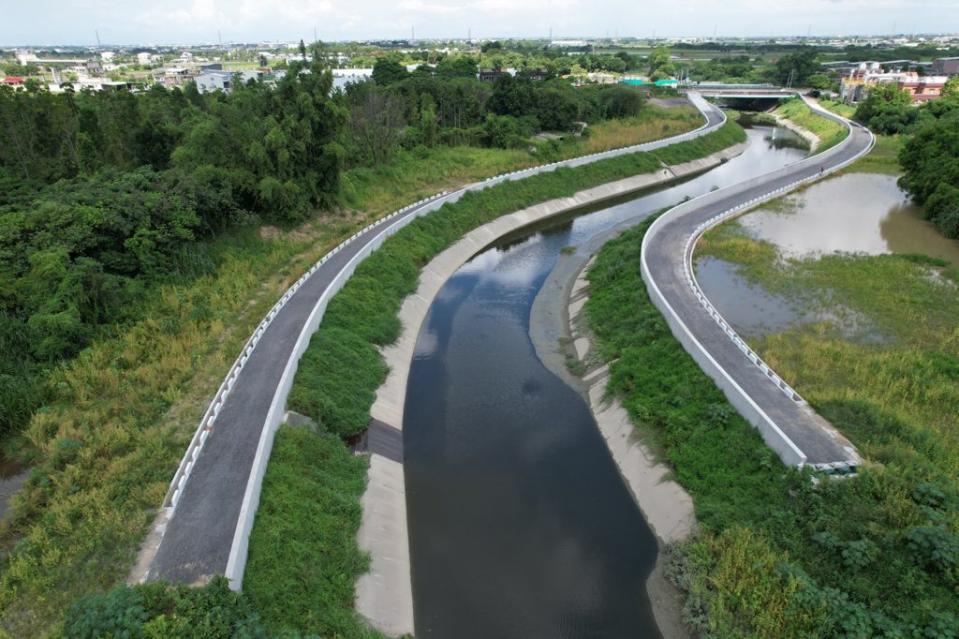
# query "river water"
(520, 524)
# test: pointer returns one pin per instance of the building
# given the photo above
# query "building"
(342, 77)
(855, 86)
(491, 75)
(601, 77)
(14, 81)
(87, 83)
(94, 67)
(218, 80)
(174, 77)
(946, 66)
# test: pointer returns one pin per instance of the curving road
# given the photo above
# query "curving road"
(203, 529)
(785, 420)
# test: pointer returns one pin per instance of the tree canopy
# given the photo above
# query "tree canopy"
(930, 162)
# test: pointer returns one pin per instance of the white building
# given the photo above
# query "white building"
(342, 77)
(216, 80)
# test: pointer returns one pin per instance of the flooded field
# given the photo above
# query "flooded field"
(855, 213)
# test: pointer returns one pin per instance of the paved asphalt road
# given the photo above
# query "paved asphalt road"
(197, 540)
(664, 257)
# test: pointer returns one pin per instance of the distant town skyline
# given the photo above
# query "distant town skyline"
(58, 22)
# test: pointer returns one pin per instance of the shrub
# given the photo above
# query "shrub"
(157, 610)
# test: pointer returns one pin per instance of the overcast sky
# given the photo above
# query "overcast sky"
(197, 21)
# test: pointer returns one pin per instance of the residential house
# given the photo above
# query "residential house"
(946, 66)
(855, 86)
(225, 81)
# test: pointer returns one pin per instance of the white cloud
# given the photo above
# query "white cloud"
(132, 21)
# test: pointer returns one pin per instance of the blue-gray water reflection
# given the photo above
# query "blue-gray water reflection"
(520, 524)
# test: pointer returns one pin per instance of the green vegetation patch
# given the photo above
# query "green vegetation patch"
(839, 108)
(883, 158)
(117, 419)
(779, 556)
(158, 611)
(303, 555)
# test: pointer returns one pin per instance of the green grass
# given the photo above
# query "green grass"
(304, 583)
(883, 158)
(839, 108)
(104, 447)
(908, 302)
(829, 132)
(778, 556)
(411, 175)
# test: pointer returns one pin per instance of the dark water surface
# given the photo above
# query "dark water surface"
(520, 524)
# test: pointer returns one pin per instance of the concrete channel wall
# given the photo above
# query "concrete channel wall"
(752, 193)
(384, 594)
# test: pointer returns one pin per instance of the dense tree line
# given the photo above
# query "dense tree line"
(889, 110)
(930, 162)
(449, 105)
(930, 156)
(104, 193)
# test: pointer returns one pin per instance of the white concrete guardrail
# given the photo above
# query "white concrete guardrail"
(774, 436)
(383, 228)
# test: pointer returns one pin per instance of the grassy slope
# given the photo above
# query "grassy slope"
(314, 483)
(883, 158)
(339, 373)
(778, 557)
(830, 133)
(415, 174)
(106, 444)
(839, 108)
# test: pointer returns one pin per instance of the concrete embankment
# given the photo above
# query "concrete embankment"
(559, 332)
(802, 132)
(384, 595)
